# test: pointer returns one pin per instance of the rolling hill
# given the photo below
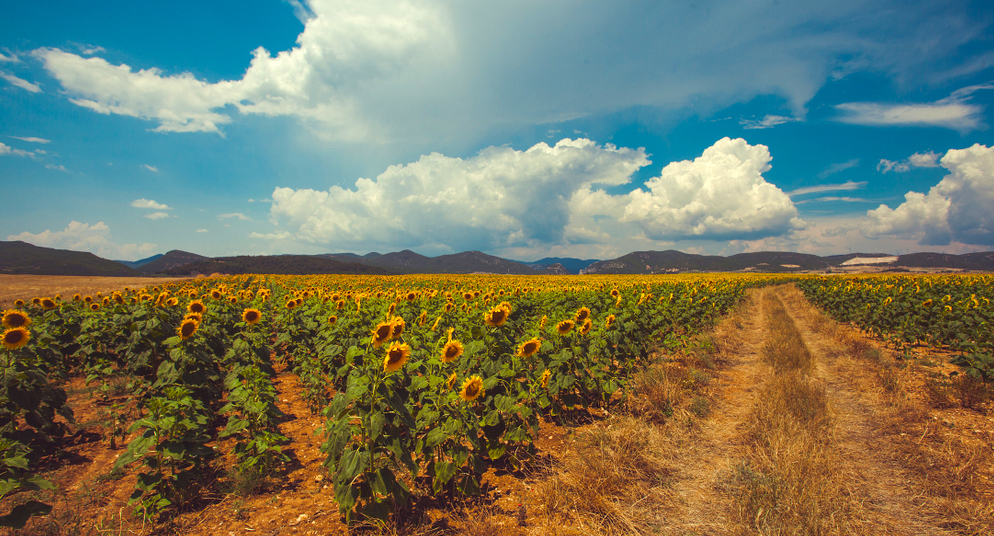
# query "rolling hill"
(409, 262)
(23, 258)
(275, 264)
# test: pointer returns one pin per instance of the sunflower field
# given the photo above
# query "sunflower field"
(424, 381)
(951, 311)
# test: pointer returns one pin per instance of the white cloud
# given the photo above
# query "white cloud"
(6, 149)
(768, 121)
(56, 168)
(23, 84)
(157, 215)
(720, 194)
(414, 71)
(238, 215)
(548, 197)
(844, 187)
(153, 169)
(32, 139)
(85, 237)
(88, 50)
(952, 112)
(957, 209)
(836, 168)
(8, 59)
(833, 198)
(201, 230)
(148, 203)
(926, 160)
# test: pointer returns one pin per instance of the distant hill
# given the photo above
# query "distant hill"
(409, 262)
(140, 262)
(571, 265)
(170, 260)
(275, 264)
(23, 258)
(654, 262)
(983, 260)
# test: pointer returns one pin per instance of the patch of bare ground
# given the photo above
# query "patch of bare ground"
(26, 287)
(921, 463)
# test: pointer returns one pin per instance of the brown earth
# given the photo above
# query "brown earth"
(920, 461)
(26, 287)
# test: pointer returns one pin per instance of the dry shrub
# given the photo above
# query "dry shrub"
(603, 486)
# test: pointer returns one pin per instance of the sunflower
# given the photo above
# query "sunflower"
(467, 296)
(18, 303)
(381, 333)
(94, 306)
(585, 328)
(48, 303)
(88, 299)
(187, 328)
(251, 316)
(451, 381)
(927, 303)
(615, 293)
(232, 299)
(15, 319)
(15, 338)
(340, 304)
(541, 325)
(332, 320)
(196, 306)
(76, 297)
(171, 302)
(423, 317)
(529, 348)
(290, 305)
(397, 355)
(397, 326)
(564, 327)
(411, 296)
(299, 301)
(545, 378)
(216, 294)
(496, 317)
(448, 307)
(582, 313)
(451, 351)
(196, 317)
(472, 388)
(609, 321)
(390, 310)
(34, 301)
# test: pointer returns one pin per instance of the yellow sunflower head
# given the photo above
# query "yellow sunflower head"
(451, 381)
(332, 320)
(196, 306)
(391, 309)
(529, 348)
(171, 302)
(545, 378)
(472, 388)
(564, 327)
(187, 328)
(251, 316)
(467, 296)
(585, 328)
(88, 299)
(34, 301)
(397, 355)
(411, 296)
(451, 351)
(582, 313)
(381, 333)
(423, 317)
(94, 306)
(609, 321)
(615, 293)
(397, 326)
(18, 303)
(15, 338)
(216, 294)
(76, 297)
(448, 307)
(541, 325)
(15, 319)
(290, 305)
(196, 317)
(495, 317)
(48, 303)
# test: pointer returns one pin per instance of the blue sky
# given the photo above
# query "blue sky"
(522, 129)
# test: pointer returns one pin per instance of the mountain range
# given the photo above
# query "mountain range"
(23, 258)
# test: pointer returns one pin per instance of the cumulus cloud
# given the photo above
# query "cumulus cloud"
(148, 203)
(94, 238)
(768, 121)
(926, 160)
(953, 112)
(546, 196)
(238, 215)
(18, 82)
(720, 194)
(957, 209)
(157, 215)
(32, 139)
(385, 70)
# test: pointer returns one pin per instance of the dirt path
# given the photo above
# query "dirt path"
(890, 505)
(707, 461)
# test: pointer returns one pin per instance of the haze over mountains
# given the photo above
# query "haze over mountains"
(23, 258)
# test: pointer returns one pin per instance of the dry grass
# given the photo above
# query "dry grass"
(789, 482)
(611, 482)
(26, 287)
